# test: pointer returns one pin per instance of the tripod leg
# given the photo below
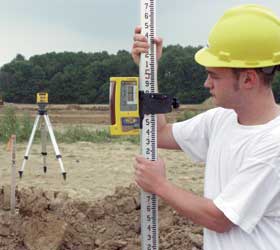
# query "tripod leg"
(53, 140)
(29, 145)
(44, 146)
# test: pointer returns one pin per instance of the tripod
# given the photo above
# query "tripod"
(42, 113)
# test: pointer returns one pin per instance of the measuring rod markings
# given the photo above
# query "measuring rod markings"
(148, 84)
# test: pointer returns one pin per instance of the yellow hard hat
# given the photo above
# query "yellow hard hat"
(247, 36)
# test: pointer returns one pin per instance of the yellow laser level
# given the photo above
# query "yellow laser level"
(42, 98)
(124, 106)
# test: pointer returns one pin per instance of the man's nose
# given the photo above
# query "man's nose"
(208, 83)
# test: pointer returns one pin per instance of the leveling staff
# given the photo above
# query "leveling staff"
(239, 141)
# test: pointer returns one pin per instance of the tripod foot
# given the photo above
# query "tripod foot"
(64, 175)
(45, 169)
(20, 174)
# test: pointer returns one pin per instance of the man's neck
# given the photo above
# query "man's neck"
(257, 111)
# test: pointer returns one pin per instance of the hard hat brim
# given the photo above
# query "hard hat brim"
(207, 59)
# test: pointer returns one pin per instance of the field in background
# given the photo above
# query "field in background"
(95, 168)
(70, 114)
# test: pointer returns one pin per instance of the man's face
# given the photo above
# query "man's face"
(224, 87)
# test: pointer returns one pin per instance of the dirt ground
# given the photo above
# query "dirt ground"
(47, 220)
(94, 170)
(97, 207)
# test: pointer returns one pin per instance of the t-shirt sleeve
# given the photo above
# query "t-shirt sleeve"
(193, 135)
(247, 198)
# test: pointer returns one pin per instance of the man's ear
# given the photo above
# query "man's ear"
(249, 78)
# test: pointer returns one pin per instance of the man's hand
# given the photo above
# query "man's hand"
(141, 45)
(149, 175)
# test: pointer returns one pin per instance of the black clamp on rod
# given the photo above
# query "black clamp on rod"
(155, 103)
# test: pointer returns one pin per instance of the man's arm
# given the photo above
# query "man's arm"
(150, 175)
(165, 135)
(200, 210)
(140, 45)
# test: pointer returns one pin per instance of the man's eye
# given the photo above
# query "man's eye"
(214, 77)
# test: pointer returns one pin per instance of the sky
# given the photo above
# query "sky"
(32, 27)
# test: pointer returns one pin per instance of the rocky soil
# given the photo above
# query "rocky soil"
(49, 220)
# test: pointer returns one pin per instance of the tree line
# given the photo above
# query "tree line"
(83, 78)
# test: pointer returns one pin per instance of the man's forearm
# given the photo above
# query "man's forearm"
(161, 122)
(198, 209)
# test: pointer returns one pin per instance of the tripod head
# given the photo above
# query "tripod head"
(42, 101)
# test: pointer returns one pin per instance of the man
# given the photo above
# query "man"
(239, 141)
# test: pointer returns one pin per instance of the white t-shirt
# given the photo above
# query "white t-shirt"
(242, 176)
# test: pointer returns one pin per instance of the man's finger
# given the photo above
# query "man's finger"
(140, 38)
(140, 45)
(141, 159)
(135, 165)
(158, 40)
(137, 29)
(135, 182)
(135, 53)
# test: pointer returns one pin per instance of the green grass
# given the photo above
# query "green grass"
(78, 133)
(187, 115)
(10, 124)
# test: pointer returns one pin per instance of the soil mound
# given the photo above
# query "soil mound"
(47, 220)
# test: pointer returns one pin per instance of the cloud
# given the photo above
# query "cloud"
(37, 26)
